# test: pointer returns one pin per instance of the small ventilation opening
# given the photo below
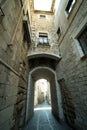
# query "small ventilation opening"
(42, 16)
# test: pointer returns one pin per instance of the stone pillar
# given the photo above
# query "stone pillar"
(30, 98)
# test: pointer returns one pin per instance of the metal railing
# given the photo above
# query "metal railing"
(43, 41)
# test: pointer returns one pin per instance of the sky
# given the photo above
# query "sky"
(44, 5)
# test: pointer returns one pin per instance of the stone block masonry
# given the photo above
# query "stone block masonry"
(13, 67)
(43, 25)
(72, 68)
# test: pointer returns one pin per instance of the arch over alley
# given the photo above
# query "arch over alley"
(43, 67)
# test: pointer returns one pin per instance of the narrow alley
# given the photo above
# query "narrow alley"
(43, 40)
(44, 120)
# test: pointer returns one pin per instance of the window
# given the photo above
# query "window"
(28, 17)
(70, 6)
(82, 38)
(2, 2)
(26, 29)
(43, 16)
(43, 38)
(1, 12)
(21, 2)
(58, 31)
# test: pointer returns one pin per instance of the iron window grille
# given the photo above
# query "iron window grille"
(43, 39)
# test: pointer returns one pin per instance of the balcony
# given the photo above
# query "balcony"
(43, 41)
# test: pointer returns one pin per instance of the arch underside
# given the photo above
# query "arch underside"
(43, 59)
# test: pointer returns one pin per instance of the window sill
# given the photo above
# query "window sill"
(39, 44)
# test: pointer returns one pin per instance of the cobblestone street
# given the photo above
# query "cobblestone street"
(44, 120)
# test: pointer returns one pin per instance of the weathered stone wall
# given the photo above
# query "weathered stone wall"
(30, 99)
(13, 66)
(54, 97)
(72, 69)
(8, 94)
(45, 25)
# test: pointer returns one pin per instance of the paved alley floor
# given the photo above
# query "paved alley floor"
(44, 120)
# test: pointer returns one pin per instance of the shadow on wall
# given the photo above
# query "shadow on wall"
(67, 103)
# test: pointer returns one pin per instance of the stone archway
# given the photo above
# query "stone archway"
(50, 75)
(43, 65)
(35, 74)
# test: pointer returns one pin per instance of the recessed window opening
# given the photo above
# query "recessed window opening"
(21, 2)
(42, 16)
(43, 38)
(1, 12)
(42, 95)
(27, 14)
(58, 31)
(82, 38)
(70, 6)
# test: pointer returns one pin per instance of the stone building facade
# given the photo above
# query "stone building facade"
(13, 65)
(72, 69)
(38, 44)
